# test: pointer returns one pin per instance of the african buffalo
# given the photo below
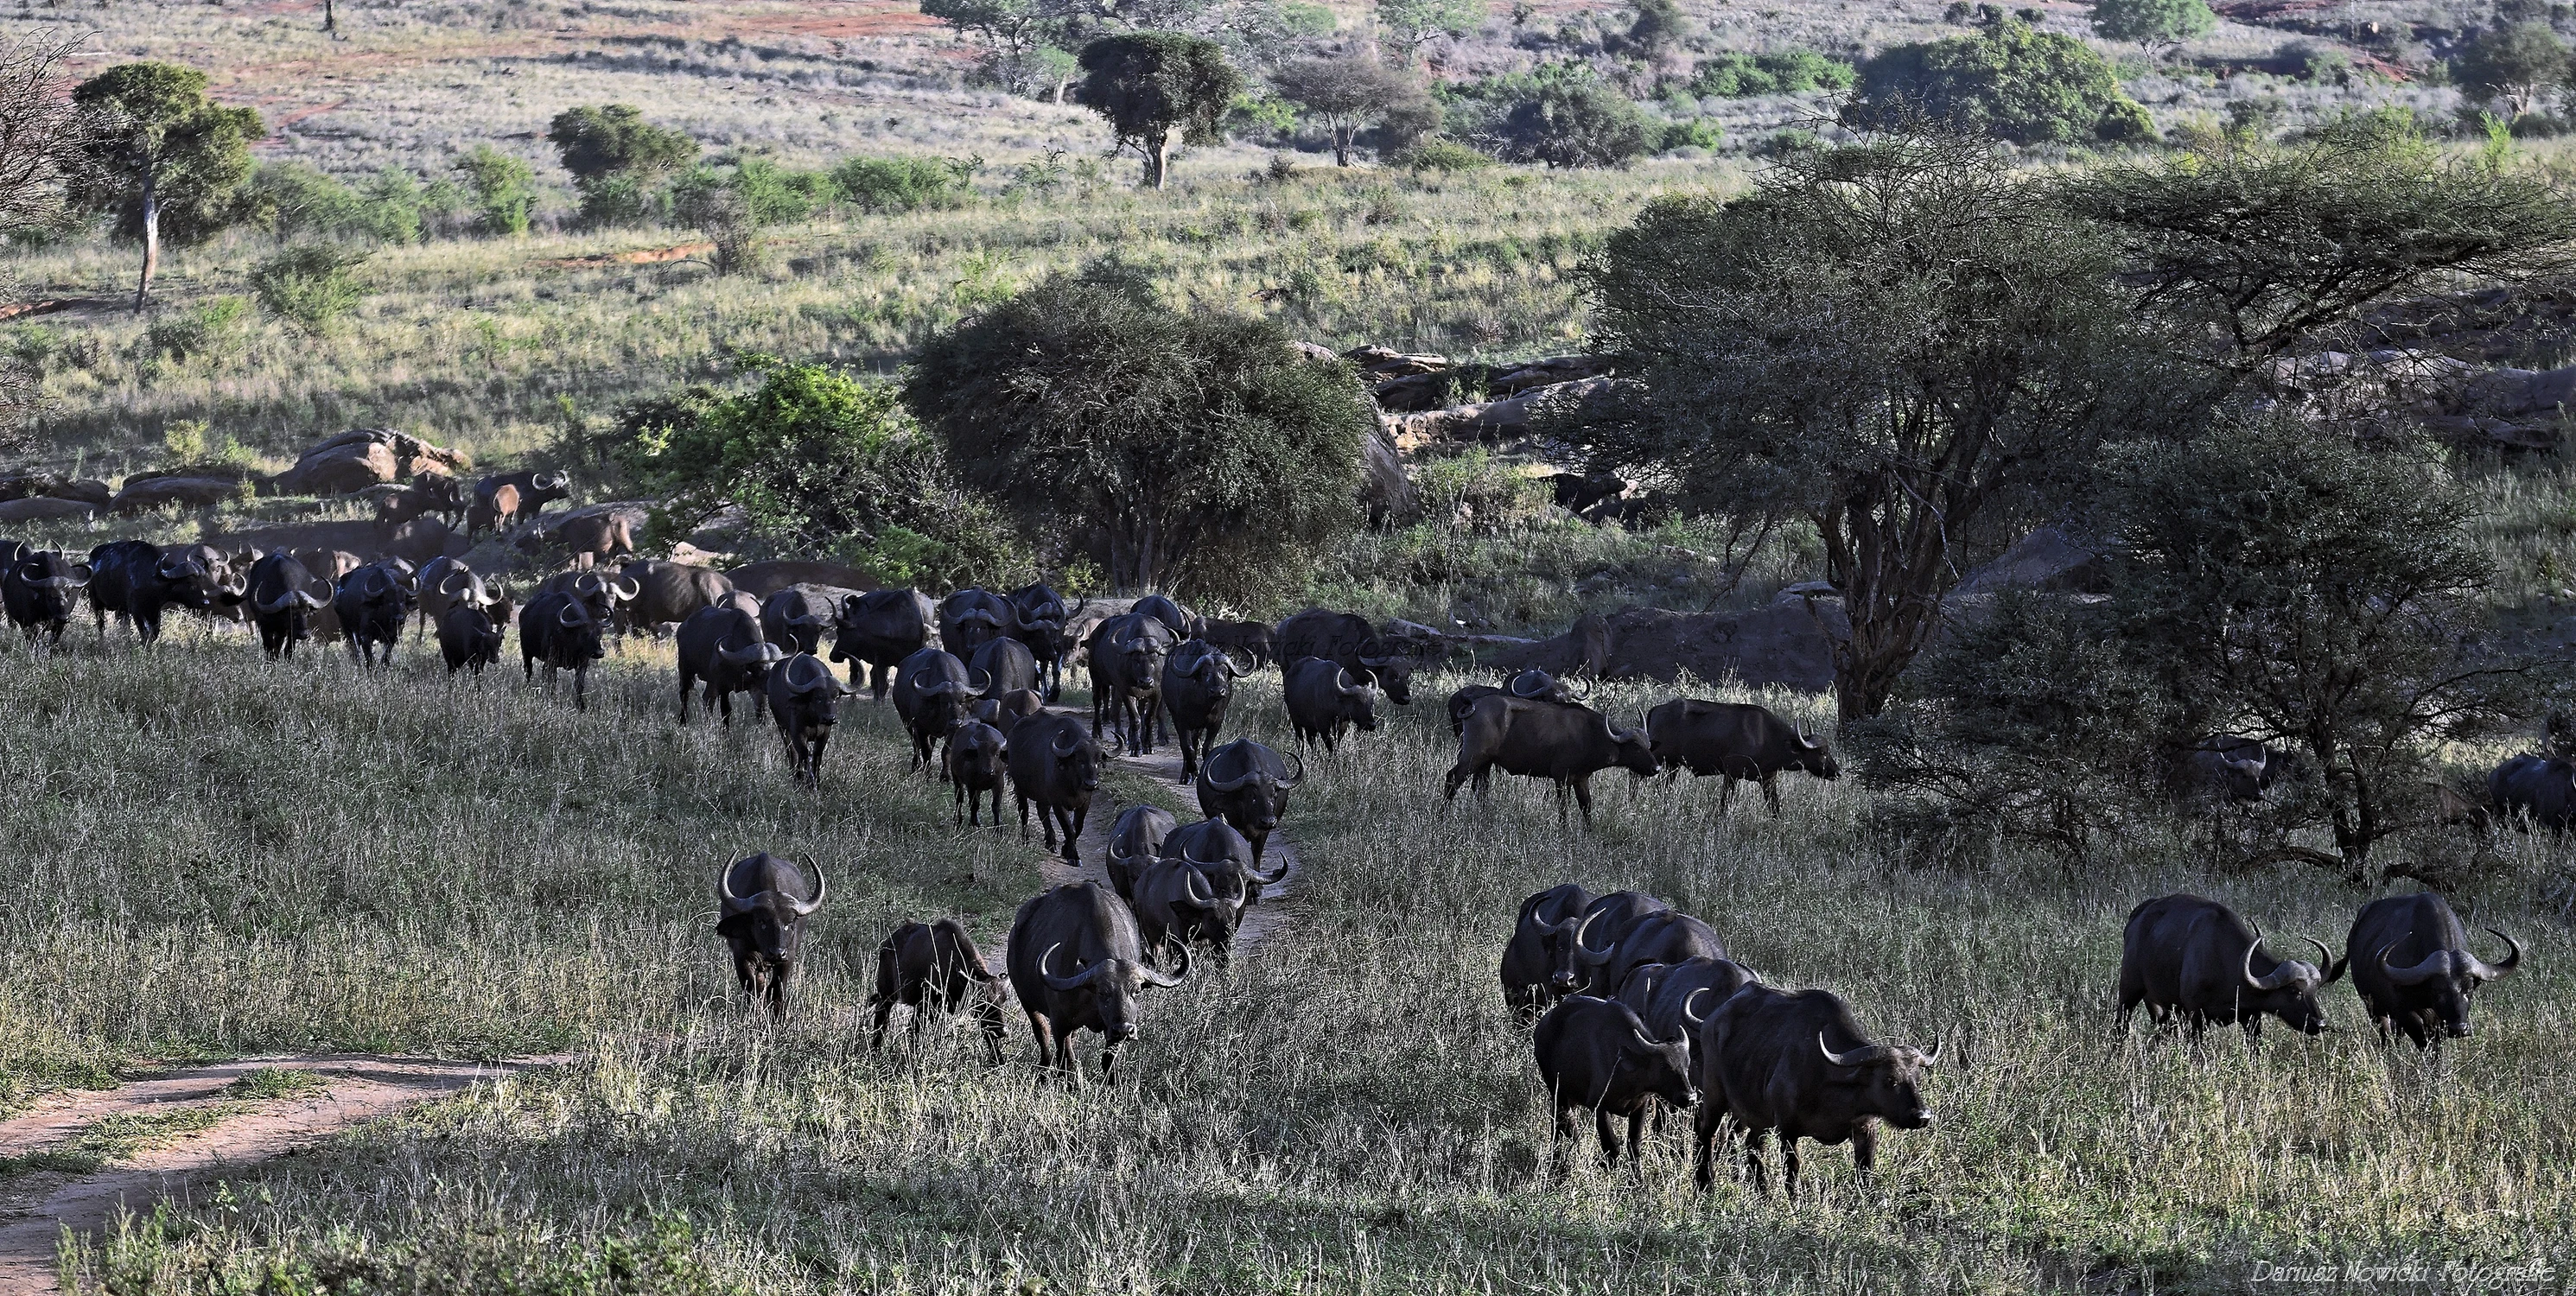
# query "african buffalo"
(137, 581)
(402, 504)
(373, 604)
(935, 967)
(445, 582)
(668, 592)
(875, 631)
(1135, 841)
(1596, 1053)
(1055, 765)
(1607, 919)
(1077, 963)
(1216, 849)
(1562, 742)
(931, 689)
(607, 596)
(1178, 903)
(469, 636)
(1671, 998)
(282, 595)
(2197, 960)
(592, 537)
(1665, 937)
(724, 649)
(39, 589)
(761, 912)
(1197, 686)
(1126, 658)
(1039, 615)
(1533, 684)
(974, 757)
(495, 509)
(1254, 639)
(790, 619)
(2531, 789)
(1546, 919)
(529, 493)
(805, 701)
(566, 632)
(971, 618)
(2412, 966)
(1348, 639)
(1247, 785)
(1796, 1062)
(1007, 710)
(1735, 739)
(2225, 768)
(1007, 667)
(1183, 623)
(1324, 701)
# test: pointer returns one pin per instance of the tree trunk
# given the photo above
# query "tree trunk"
(1158, 152)
(151, 238)
(330, 18)
(1341, 145)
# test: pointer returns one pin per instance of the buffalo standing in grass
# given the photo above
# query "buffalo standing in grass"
(502, 500)
(805, 701)
(283, 595)
(1198, 686)
(1607, 919)
(1216, 849)
(2225, 769)
(972, 618)
(443, 583)
(1595, 1053)
(762, 904)
(876, 631)
(1126, 656)
(1350, 640)
(1546, 920)
(1178, 902)
(39, 589)
(790, 619)
(1794, 1062)
(1563, 743)
(2414, 971)
(1247, 785)
(1254, 639)
(469, 636)
(1006, 666)
(374, 603)
(2196, 960)
(1324, 702)
(1533, 684)
(1672, 998)
(2529, 789)
(1136, 841)
(566, 632)
(1038, 616)
(722, 650)
(1077, 962)
(975, 758)
(931, 691)
(137, 582)
(935, 967)
(667, 593)
(1665, 936)
(1055, 766)
(1737, 740)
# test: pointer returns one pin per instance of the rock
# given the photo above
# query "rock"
(86, 490)
(44, 508)
(411, 454)
(1386, 492)
(155, 492)
(423, 539)
(339, 467)
(1382, 362)
(1315, 351)
(1492, 420)
(2047, 559)
(762, 579)
(1549, 372)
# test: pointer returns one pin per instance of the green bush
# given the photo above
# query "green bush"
(891, 185)
(2007, 81)
(1441, 155)
(1477, 493)
(292, 200)
(310, 286)
(1737, 75)
(1697, 133)
(502, 188)
(212, 329)
(1561, 114)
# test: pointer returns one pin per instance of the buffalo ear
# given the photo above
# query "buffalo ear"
(735, 924)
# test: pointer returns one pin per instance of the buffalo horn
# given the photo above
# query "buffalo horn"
(448, 586)
(821, 889)
(1195, 860)
(1273, 876)
(1692, 1017)
(1933, 1058)
(626, 588)
(570, 616)
(1516, 685)
(1585, 954)
(2434, 964)
(1586, 694)
(1081, 975)
(724, 888)
(1232, 784)
(802, 675)
(1862, 1056)
(1342, 681)
(1285, 784)
(975, 688)
(271, 608)
(1167, 980)
(556, 482)
(589, 583)
(2485, 971)
(1064, 744)
(1805, 742)
(1201, 894)
(2282, 973)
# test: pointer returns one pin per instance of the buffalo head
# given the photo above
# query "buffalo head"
(2452, 975)
(1113, 984)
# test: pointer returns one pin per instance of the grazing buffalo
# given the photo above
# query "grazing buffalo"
(1007, 667)
(2224, 769)
(1546, 920)
(972, 618)
(1216, 849)
(1078, 963)
(762, 906)
(1534, 684)
(468, 636)
(1038, 616)
(931, 689)
(40, 588)
(1135, 841)
(935, 967)
(374, 603)
(805, 701)
(1197, 686)
(2413, 969)
(875, 631)
(282, 596)
(1254, 639)
(1795, 1062)
(669, 592)
(792, 620)
(1247, 785)
(566, 632)
(2196, 960)
(1596, 1053)
(2532, 789)
(1348, 639)
(1667, 936)
(1324, 702)
(590, 538)
(1738, 740)
(974, 758)
(723, 648)
(1562, 742)
(137, 582)
(1607, 919)
(1126, 656)
(1008, 709)
(1183, 623)
(1672, 998)
(528, 493)
(1055, 765)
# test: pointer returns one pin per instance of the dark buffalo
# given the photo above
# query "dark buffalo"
(566, 632)
(1008, 709)
(1190, 895)
(1039, 615)
(468, 636)
(1561, 742)
(495, 509)
(1672, 998)
(1055, 765)
(445, 582)
(1007, 667)
(1796, 1062)
(1136, 841)
(931, 691)
(1348, 639)
(2413, 969)
(2225, 768)
(282, 596)
(1183, 623)
(1215, 848)
(528, 495)
(402, 504)
(1546, 920)
(1738, 740)
(1078, 963)
(1596, 1053)
(1324, 701)
(1247, 785)
(373, 604)
(1534, 684)
(791, 619)
(723, 648)
(975, 758)
(2534, 790)
(1254, 639)
(875, 631)
(137, 582)
(1665, 937)
(972, 618)
(1197, 686)
(762, 906)
(805, 701)
(1607, 919)
(1126, 655)
(40, 588)
(2197, 961)
(608, 597)
(229, 569)
(669, 592)
(935, 967)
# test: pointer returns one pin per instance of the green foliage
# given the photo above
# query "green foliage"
(2149, 24)
(1659, 26)
(214, 328)
(2317, 61)
(152, 134)
(310, 285)
(726, 215)
(503, 189)
(1562, 114)
(2007, 81)
(2513, 65)
(777, 195)
(902, 184)
(1149, 84)
(1699, 132)
(1349, 92)
(615, 140)
(1408, 25)
(1183, 449)
(1441, 155)
(619, 200)
(1737, 75)
(1474, 492)
(291, 200)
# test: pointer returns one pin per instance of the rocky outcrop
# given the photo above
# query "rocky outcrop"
(762, 579)
(362, 457)
(1491, 420)
(2050, 558)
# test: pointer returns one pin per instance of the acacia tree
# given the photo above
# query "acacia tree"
(1348, 93)
(2152, 24)
(1199, 449)
(163, 158)
(1149, 84)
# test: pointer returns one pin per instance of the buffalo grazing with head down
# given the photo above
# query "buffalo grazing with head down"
(2414, 971)
(1673, 998)
(1530, 956)
(667, 593)
(1595, 1053)
(1737, 740)
(1607, 920)
(2196, 961)
(282, 596)
(1254, 639)
(1006, 666)
(762, 904)
(1181, 901)
(1663, 936)
(1795, 1062)
(1077, 962)
(723, 648)
(874, 632)
(805, 701)
(1566, 744)
(1055, 766)
(39, 589)
(2529, 789)
(975, 757)
(935, 967)
(1197, 687)
(1533, 684)
(931, 692)
(1247, 785)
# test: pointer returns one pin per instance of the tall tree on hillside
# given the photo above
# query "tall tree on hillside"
(40, 134)
(1348, 93)
(1151, 84)
(163, 159)
(1406, 26)
(2514, 65)
(2152, 25)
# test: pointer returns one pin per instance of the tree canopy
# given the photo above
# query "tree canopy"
(2152, 24)
(617, 159)
(164, 159)
(2513, 65)
(1348, 92)
(1148, 85)
(2009, 81)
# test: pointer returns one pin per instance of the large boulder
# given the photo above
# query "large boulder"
(1494, 420)
(340, 467)
(2050, 559)
(1387, 494)
(1789, 640)
(44, 508)
(412, 455)
(762, 579)
(156, 492)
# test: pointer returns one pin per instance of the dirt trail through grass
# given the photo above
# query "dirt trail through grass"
(152, 1138)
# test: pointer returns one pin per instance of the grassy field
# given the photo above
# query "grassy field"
(221, 857)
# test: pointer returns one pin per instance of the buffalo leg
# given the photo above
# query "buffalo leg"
(1789, 1162)
(1864, 1143)
(1609, 1136)
(814, 762)
(581, 688)
(1046, 1040)
(1725, 794)
(1637, 1133)
(1023, 798)
(1582, 797)
(1771, 793)
(1753, 1167)
(1704, 1135)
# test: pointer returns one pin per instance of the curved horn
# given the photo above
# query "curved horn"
(272, 607)
(1195, 860)
(1585, 954)
(1273, 877)
(1064, 744)
(2485, 971)
(1301, 772)
(2435, 964)
(1692, 1017)
(811, 678)
(1933, 1058)
(821, 890)
(2283, 972)
(1342, 682)
(447, 585)
(1586, 694)
(1227, 785)
(1201, 894)
(1081, 975)
(626, 588)
(724, 886)
(1862, 1056)
(975, 688)
(1515, 685)
(1167, 980)
(557, 481)
(571, 616)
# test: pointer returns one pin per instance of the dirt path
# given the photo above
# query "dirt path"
(36, 1206)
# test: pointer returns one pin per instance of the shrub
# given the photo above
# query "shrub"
(902, 184)
(1437, 154)
(502, 188)
(1698, 133)
(1737, 75)
(311, 285)
(2007, 81)
(214, 329)
(2152, 24)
